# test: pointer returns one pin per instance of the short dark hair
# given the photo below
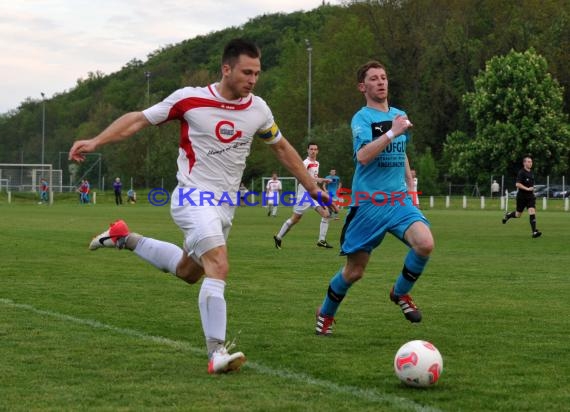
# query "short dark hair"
(312, 144)
(526, 157)
(362, 70)
(236, 48)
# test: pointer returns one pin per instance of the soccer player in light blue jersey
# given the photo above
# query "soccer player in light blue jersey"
(381, 200)
(333, 185)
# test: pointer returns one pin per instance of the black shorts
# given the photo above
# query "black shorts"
(525, 202)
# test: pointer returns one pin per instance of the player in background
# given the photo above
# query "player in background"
(381, 203)
(44, 190)
(273, 190)
(525, 196)
(415, 195)
(332, 185)
(300, 207)
(84, 190)
(218, 125)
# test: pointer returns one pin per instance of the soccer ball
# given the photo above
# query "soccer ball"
(418, 363)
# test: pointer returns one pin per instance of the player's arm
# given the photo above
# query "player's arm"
(370, 151)
(289, 158)
(121, 129)
(520, 186)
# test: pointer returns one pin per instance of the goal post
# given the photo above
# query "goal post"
(26, 177)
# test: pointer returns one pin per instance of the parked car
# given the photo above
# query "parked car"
(547, 191)
(561, 194)
(538, 189)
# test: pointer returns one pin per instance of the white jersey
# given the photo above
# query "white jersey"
(312, 167)
(273, 186)
(215, 136)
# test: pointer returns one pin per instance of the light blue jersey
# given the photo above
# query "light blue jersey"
(386, 173)
(333, 185)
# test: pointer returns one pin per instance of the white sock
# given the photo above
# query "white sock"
(324, 228)
(213, 312)
(162, 255)
(284, 229)
(274, 210)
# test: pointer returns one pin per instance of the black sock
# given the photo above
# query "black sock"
(532, 219)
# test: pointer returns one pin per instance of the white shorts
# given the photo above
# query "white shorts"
(300, 209)
(205, 227)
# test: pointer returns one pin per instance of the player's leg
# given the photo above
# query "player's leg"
(324, 227)
(363, 230)
(337, 290)
(213, 312)
(164, 256)
(521, 205)
(274, 205)
(288, 224)
(206, 229)
(415, 231)
(532, 218)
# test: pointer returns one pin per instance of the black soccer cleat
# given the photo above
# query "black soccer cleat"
(277, 242)
(324, 243)
(409, 308)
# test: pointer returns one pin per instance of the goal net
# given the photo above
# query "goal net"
(26, 177)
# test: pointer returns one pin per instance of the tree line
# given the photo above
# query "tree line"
(483, 81)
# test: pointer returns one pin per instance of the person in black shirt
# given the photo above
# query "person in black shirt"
(525, 196)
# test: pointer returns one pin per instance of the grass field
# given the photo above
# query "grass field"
(105, 331)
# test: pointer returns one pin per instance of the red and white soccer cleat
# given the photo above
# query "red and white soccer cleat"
(115, 236)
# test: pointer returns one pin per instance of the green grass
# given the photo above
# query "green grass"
(105, 331)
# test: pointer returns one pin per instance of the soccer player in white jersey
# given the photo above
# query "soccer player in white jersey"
(273, 190)
(218, 125)
(302, 205)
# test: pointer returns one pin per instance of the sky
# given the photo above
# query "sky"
(47, 45)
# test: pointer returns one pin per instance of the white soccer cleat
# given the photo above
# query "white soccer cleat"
(102, 240)
(113, 237)
(222, 362)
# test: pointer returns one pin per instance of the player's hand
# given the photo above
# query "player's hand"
(400, 124)
(79, 148)
(322, 197)
(333, 208)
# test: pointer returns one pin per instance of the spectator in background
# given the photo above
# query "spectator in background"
(131, 196)
(117, 187)
(495, 189)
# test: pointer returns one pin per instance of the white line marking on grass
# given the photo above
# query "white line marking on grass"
(366, 394)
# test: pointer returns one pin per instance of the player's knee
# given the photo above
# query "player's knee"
(188, 275)
(424, 246)
(188, 270)
(354, 273)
